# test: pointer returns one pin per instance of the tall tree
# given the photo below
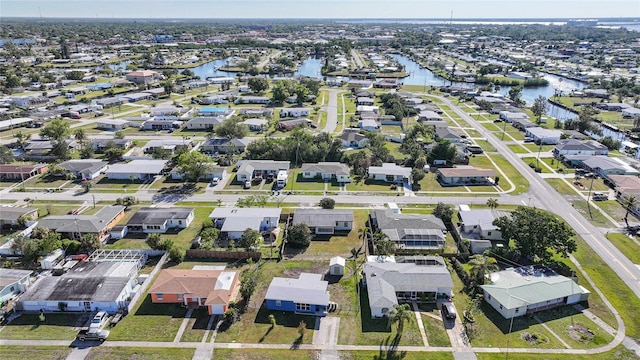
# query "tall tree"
(443, 150)
(443, 211)
(56, 129)
(6, 155)
(258, 84)
(232, 128)
(400, 314)
(539, 107)
(629, 203)
(481, 266)
(537, 233)
(250, 240)
(515, 93)
(492, 203)
(194, 165)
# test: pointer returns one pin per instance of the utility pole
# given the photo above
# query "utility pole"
(589, 197)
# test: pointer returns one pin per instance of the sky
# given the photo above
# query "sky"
(380, 9)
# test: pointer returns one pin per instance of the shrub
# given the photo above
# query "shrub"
(176, 254)
(299, 236)
(327, 203)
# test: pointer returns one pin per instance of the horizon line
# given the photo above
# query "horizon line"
(616, 19)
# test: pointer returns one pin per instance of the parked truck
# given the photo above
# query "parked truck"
(94, 335)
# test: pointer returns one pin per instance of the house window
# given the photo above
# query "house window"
(489, 233)
(278, 303)
(159, 296)
(500, 307)
(12, 289)
(303, 307)
(517, 310)
(179, 296)
(180, 223)
(306, 173)
(489, 297)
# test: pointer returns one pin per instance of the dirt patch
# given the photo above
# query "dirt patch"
(317, 268)
(534, 338)
(580, 332)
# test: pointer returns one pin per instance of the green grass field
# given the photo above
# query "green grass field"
(139, 353)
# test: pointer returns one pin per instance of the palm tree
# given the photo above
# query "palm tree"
(481, 266)
(629, 203)
(492, 203)
(400, 314)
(80, 135)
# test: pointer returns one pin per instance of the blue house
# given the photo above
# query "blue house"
(13, 282)
(211, 111)
(305, 295)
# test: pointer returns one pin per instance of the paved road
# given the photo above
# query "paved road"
(357, 59)
(547, 198)
(266, 60)
(332, 111)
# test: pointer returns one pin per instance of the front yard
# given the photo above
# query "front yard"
(54, 327)
(150, 322)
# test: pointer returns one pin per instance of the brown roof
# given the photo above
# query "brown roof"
(17, 168)
(625, 182)
(196, 283)
(466, 172)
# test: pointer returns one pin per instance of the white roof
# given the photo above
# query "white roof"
(138, 167)
(337, 260)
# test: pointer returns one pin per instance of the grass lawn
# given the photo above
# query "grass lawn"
(139, 353)
(339, 244)
(612, 208)
(55, 327)
(301, 183)
(471, 133)
(436, 333)
(411, 355)
(47, 182)
(430, 183)
(596, 218)
(358, 328)
(518, 149)
(34, 352)
(561, 187)
(150, 322)
(197, 326)
(560, 319)
(104, 182)
(535, 148)
(55, 209)
(491, 126)
(369, 185)
(263, 354)
(627, 246)
(394, 150)
(518, 180)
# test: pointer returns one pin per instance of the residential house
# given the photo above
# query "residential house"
(113, 124)
(106, 282)
(156, 124)
(136, 169)
(324, 221)
(224, 145)
(510, 116)
(336, 266)
(528, 289)
(13, 282)
(362, 109)
(214, 111)
(326, 171)
(390, 282)
(367, 101)
(624, 185)
(544, 136)
(109, 101)
(215, 289)
(253, 100)
(160, 220)
(448, 134)
(172, 145)
(249, 169)
(21, 172)
(133, 97)
(410, 231)
(203, 123)
(294, 112)
(578, 147)
(631, 112)
(306, 295)
(257, 111)
(523, 124)
(255, 124)
(390, 172)
(608, 106)
(605, 166)
(428, 115)
(232, 222)
(77, 226)
(287, 125)
(352, 138)
(143, 76)
(44, 147)
(478, 223)
(369, 125)
(464, 176)
(100, 145)
(84, 168)
(214, 100)
(10, 215)
(169, 111)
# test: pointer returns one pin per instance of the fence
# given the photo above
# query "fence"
(213, 254)
(143, 289)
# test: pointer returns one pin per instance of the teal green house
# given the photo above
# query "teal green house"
(13, 282)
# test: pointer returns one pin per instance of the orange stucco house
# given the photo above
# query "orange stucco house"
(215, 289)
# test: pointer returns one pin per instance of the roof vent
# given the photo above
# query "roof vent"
(374, 274)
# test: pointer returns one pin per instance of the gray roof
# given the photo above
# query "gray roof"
(158, 216)
(326, 167)
(321, 217)
(240, 224)
(481, 217)
(447, 133)
(105, 142)
(212, 120)
(573, 144)
(602, 162)
(387, 278)
(87, 281)
(138, 167)
(13, 213)
(249, 166)
(307, 289)
(387, 219)
(542, 133)
(82, 223)
(83, 166)
(10, 276)
(226, 142)
(390, 169)
(351, 136)
(225, 213)
(529, 285)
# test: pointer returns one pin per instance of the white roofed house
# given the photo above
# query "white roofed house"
(224, 145)
(168, 144)
(232, 222)
(203, 123)
(306, 295)
(324, 221)
(160, 220)
(352, 138)
(136, 169)
(13, 282)
(464, 176)
(579, 147)
(76, 226)
(528, 289)
(544, 136)
(249, 169)
(326, 171)
(294, 112)
(631, 112)
(390, 172)
(84, 168)
(256, 124)
(113, 124)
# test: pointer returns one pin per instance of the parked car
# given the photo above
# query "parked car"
(247, 184)
(528, 139)
(448, 311)
(215, 181)
(98, 321)
(73, 212)
(86, 335)
(600, 197)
